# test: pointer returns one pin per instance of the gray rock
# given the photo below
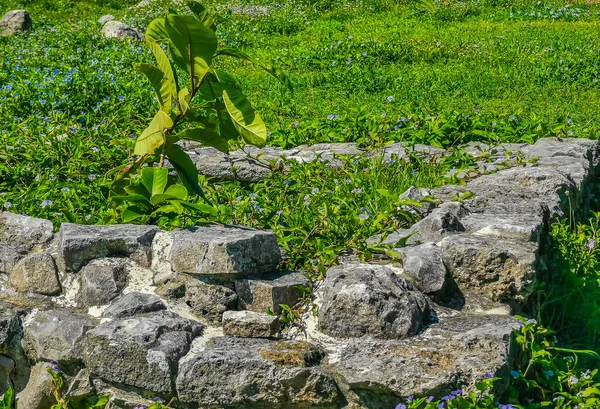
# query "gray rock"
(500, 269)
(148, 349)
(268, 294)
(117, 29)
(455, 353)
(56, 335)
(424, 263)
(6, 367)
(37, 394)
(417, 195)
(80, 386)
(442, 221)
(134, 303)
(210, 301)
(364, 299)
(250, 324)
(35, 273)
(230, 250)
(250, 373)
(80, 244)
(20, 235)
(102, 280)
(14, 22)
(10, 329)
(213, 163)
(106, 18)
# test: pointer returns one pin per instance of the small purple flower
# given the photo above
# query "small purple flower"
(363, 216)
(512, 118)
(7, 204)
(280, 212)
(441, 405)
(531, 321)
(447, 398)
(295, 124)
(488, 376)
(549, 373)
(457, 392)
(357, 191)
(429, 399)
(287, 182)
(332, 117)
(410, 398)
(514, 374)
(158, 399)
(390, 98)
(591, 243)
(573, 380)
(315, 191)
(46, 203)
(401, 406)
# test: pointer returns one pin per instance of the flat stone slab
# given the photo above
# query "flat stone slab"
(148, 349)
(250, 324)
(255, 373)
(270, 293)
(79, 244)
(132, 304)
(226, 251)
(35, 273)
(455, 353)
(56, 335)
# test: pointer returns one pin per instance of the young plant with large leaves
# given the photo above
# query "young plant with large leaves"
(197, 102)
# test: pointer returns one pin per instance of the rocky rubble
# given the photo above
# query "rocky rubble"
(14, 22)
(138, 312)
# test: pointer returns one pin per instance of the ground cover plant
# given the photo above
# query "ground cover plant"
(73, 105)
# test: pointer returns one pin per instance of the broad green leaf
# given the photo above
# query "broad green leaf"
(129, 198)
(155, 180)
(168, 87)
(153, 136)
(246, 120)
(206, 137)
(186, 169)
(136, 189)
(277, 73)
(157, 31)
(202, 14)
(132, 213)
(193, 45)
(158, 199)
(203, 208)
(169, 208)
(179, 191)
(156, 78)
(183, 98)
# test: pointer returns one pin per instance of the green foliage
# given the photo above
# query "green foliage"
(7, 399)
(151, 199)
(571, 297)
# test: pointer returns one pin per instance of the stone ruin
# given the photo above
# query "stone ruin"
(137, 312)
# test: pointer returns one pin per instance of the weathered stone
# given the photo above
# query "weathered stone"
(230, 250)
(117, 29)
(15, 21)
(268, 294)
(56, 335)
(10, 328)
(148, 348)
(37, 394)
(210, 300)
(424, 263)
(80, 244)
(106, 18)
(442, 221)
(455, 353)
(6, 367)
(250, 373)
(501, 269)
(102, 280)
(80, 386)
(250, 324)
(134, 303)
(358, 300)
(213, 163)
(19, 235)
(35, 273)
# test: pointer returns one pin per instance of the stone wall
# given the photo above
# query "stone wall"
(138, 312)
